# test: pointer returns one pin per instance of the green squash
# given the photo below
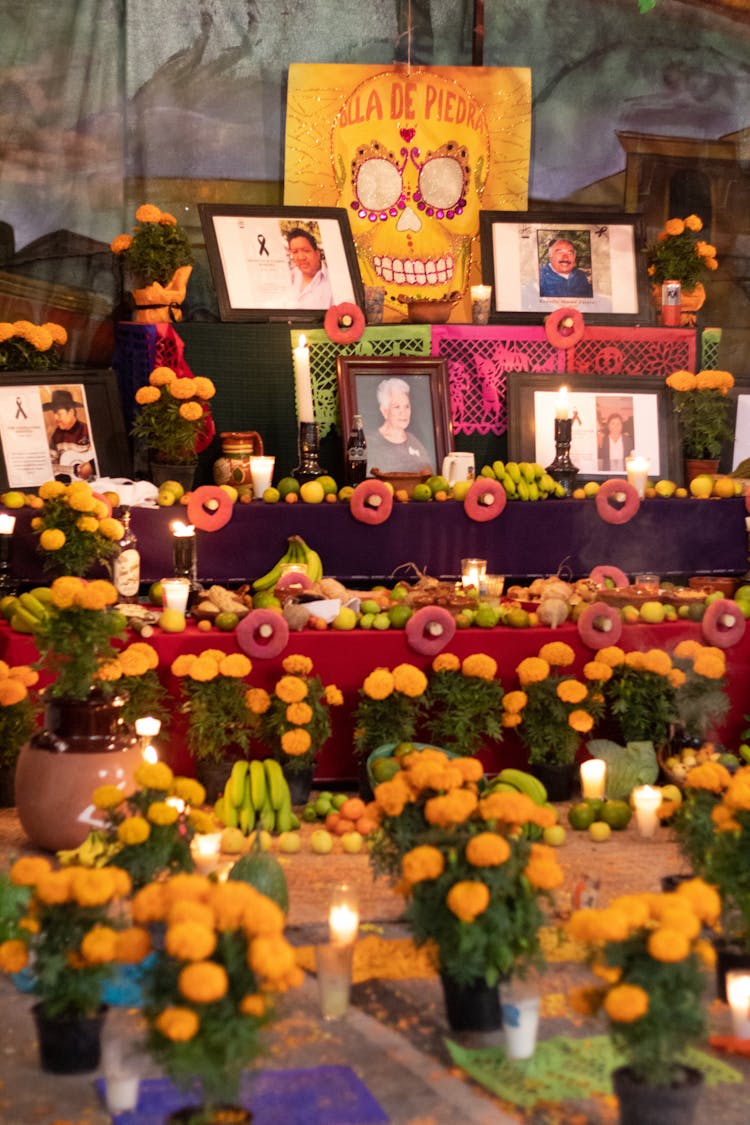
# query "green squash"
(264, 872)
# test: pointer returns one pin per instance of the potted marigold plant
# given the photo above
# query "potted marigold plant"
(678, 255)
(75, 529)
(388, 710)
(133, 672)
(18, 713)
(552, 710)
(30, 347)
(174, 421)
(472, 879)
(209, 988)
(158, 258)
(702, 407)
(69, 941)
(651, 957)
(463, 702)
(294, 721)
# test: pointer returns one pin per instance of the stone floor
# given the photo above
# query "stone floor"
(393, 1036)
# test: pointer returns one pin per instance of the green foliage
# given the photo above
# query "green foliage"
(544, 729)
(17, 722)
(13, 903)
(641, 703)
(161, 427)
(157, 250)
(271, 725)
(218, 719)
(462, 711)
(82, 550)
(704, 421)
(72, 644)
(378, 721)
(145, 695)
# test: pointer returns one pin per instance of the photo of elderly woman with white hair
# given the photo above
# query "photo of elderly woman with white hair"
(391, 446)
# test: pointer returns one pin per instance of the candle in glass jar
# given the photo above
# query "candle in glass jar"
(646, 801)
(7, 524)
(472, 572)
(562, 407)
(343, 916)
(593, 778)
(205, 850)
(302, 381)
(637, 469)
(738, 995)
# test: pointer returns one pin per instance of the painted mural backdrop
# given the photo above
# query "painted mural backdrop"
(105, 103)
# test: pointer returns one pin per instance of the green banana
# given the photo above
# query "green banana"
(525, 783)
(293, 554)
(502, 787)
(267, 817)
(23, 622)
(284, 818)
(33, 606)
(276, 783)
(314, 565)
(236, 783)
(247, 818)
(258, 787)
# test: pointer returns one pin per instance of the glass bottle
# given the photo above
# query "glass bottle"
(356, 453)
(126, 567)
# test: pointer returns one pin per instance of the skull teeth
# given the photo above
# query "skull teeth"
(409, 271)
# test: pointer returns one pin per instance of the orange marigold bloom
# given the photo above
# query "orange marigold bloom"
(446, 662)
(580, 721)
(511, 720)
(597, 670)
(481, 665)
(514, 702)
(235, 665)
(99, 945)
(144, 396)
(471, 769)
(611, 655)
(668, 945)
(708, 775)
(253, 1004)
(626, 1003)
(178, 1024)
(189, 941)
(121, 243)
(532, 670)
(487, 849)
(258, 700)
(148, 213)
(704, 899)
(133, 945)
(422, 862)
(409, 680)
(295, 742)
(379, 684)
(571, 691)
(543, 871)
(558, 654)
(203, 982)
(13, 956)
(297, 664)
(674, 227)
(290, 689)
(393, 796)
(452, 808)
(299, 713)
(162, 376)
(468, 899)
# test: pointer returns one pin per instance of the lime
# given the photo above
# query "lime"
(616, 814)
(309, 814)
(599, 831)
(338, 800)
(117, 621)
(381, 621)
(155, 595)
(265, 599)
(383, 769)
(323, 806)
(399, 614)
(345, 493)
(437, 483)
(321, 842)
(226, 621)
(460, 488)
(517, 618)
(271, 496)
(287, 485)
(581, 816)
(485, 616)
(328, 485)
(597, 804)
(554, 835)
(422, 492)
(172, 621)
(312, 492)
(403, 748)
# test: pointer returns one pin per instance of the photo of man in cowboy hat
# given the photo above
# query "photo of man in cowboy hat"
(70, 440)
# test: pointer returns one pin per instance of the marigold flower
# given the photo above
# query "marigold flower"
(53, 889)
(446, 662)
(681, 381)
(333, 696)
(149, 904)
(154, 775)
(189, 941)
(471, 769)
(668, 945)
(467, 899)
(597, 670)
(204, 669)
(379, 684)
(13, 956)
(12, 692)
(532, 670)
(203, 982)
(409, 680)
(181, 388)
(543, 871)
(612, 655)
(514, 702)
(558, 654)
(708, 665)
(178, 1024)
(162, 376)
(693, 223)
(271, 957)
(189, 790)
(134, 830)
(148, 213)
(111, 529)
(27, 870)
(580, 721)
(585, 1001)
(107, 797)
(673, 227)
(479, 664)
(712, 776)
(571, 691)
(421, 863)
(133, 662)
(657, 661)
(262, 916)
(626, 1003)
(393, 796)
(162, 813)
(253, 1004)
(236, 666)
(258, 700)
(703, 898)
(296, 741)
(121, 243)
(99, 945)
(51, 489)
(89, 525)
(132, 945)
(52, 539)
(297, 664)
(299, 713)
(737, 795)
(291, 689)
(81, 501)
(203, 387)
(487, 849)
(687, 649)
(452, 808)
(509, 720)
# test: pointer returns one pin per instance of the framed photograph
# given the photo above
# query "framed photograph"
(739, 448)
(280, 263)
(612, 419)
(538, 261)
(66, 425)
(405, 410)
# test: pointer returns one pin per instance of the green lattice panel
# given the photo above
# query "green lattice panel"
(389, 340)
(710, 344)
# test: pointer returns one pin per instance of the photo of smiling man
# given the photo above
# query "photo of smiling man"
(560, 275)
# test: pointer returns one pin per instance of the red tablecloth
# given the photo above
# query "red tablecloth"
(346, 658)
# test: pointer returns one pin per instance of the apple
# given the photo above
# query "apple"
(346, 618)
(321, 841)
(352, 842)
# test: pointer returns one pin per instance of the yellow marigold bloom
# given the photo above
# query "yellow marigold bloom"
(271, 957)
(253, 1004)
(299, 713)
(626, 1003)
(409, 680)
(13, 956)
(121, 243)
(149, 904)
(290, 689)
(92, 886)
(144, 396)
(188, 910)
(421, 863)
(27, 871)
(107, 797)
(706, 664)
(148, 213)
(202, 822)
(597, 670)
(514, 702)
(582, 926)
(511, 808)
(708, 775)
(54, 887)
(133, 830)
(558, 654)
(532, 670)
(467, 899)
(481, 665)
(257, 700)
(154, 775)
(446, 662)
(487, 849)
(189, 941)
(635, 907)
(81, 501)
(427, 774)
(262, 917)
(52, 539)
(133, 663)
(658, 661)
(674, 227)
(693, 223)
(228, 902)
(111, 528)
(471, 769)
(737, 795)
(543, 871)
(191, 411)
(296, 741)
(203, 387)
(612, 655)
(162, 813)
(181, 388)
(668, 945)
(379, 684)
(11, 692)
(580, 721)
(99, 945)
(51, 489)
(57, 332)
(87, 524)
(452, 808)
(147, 651)
(236, 666)
(297, 664)
(609, 924)
(189, 790)
(333, 696)
(182, 664)
(132, 945)
(178, 1024)
(393, 796)
(704, 899)
(98, 595)
(636, 660)
(204, 982)
(204, 669)
(162, 377)
(571, 691)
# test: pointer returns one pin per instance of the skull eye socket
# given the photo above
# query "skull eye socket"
(441, 182)
(378, 184)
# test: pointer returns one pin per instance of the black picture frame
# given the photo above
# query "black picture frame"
(248, 255)
(427, 378)
(648, 422)
(105, 417)
(515, 247)
(737, 449)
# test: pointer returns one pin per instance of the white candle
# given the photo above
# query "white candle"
(147, 727)
(175, 593)
(472, 572)
(343, 924)
(303, 383)
(646, 800)
(261, 472)
(182, 530)
(738, 995)
(205, 850)
(594, 778)
(637, 469)
(562, 408)
(7, 524)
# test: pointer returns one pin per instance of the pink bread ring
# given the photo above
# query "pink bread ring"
(209, 508)
(430, 629)
(293, 580)
(600, 574)
(485, 500)
(599, 625)
(564, 328)
(371, 502)
(104, 500)
(723, 624)
(344, 323)
(262, 634)
(611, 488)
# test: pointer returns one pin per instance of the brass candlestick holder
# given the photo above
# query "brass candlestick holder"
(562, 468)
(308, 448)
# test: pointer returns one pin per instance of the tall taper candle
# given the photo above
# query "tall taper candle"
(303, 383)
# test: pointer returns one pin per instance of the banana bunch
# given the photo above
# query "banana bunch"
(96, 851)
(256, 793)
(297, 552)
(29, 613)
(523, 480)
(519, 781)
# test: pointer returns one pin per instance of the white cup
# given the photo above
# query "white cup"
(458, 466)
(175, 593)
(520, 1024)
(261, 472)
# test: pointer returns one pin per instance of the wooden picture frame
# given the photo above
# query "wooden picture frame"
(28, 426)
(648, 424)
(604, 279)
(258, 269)
(429, 424)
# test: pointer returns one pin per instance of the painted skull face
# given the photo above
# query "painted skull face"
(411, 156)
